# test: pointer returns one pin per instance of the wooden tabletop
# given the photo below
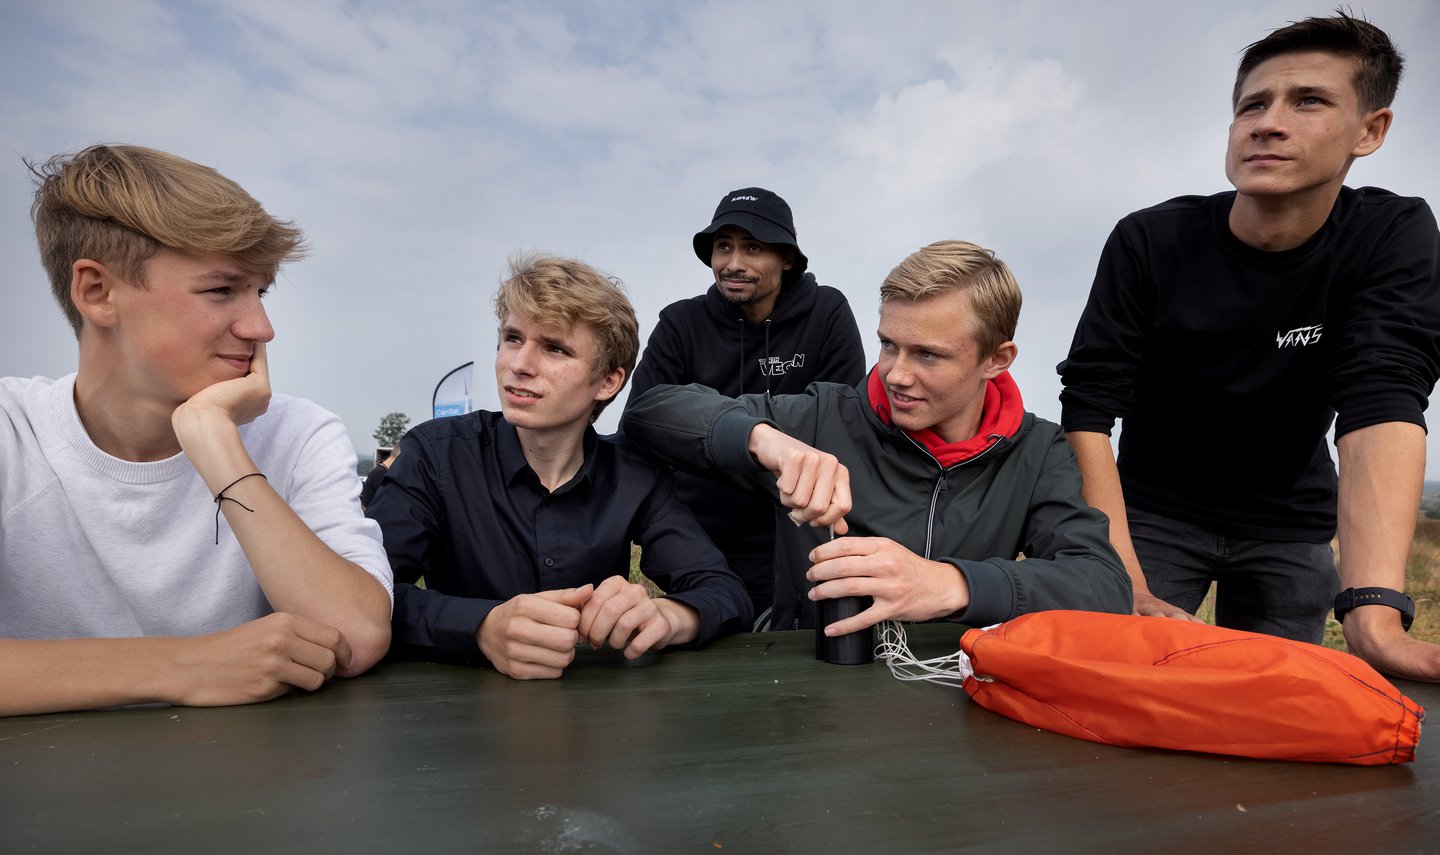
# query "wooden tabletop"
(749, 746)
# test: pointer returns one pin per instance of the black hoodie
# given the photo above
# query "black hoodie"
(810, 336)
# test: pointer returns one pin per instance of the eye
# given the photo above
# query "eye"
(929, 356)
(887, 345)
(264, 292)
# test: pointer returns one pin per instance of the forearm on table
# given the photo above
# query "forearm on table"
(681, 559)
(439, 624)
(60, 675)
(298, 571)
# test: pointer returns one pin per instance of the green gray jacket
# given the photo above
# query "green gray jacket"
(1021, 496)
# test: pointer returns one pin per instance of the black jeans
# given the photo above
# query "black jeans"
(1275, 587)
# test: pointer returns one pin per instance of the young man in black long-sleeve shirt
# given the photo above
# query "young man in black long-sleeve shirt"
(521, 521)
(1229, 331)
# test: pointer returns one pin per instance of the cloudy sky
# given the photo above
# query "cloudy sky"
(419, 144)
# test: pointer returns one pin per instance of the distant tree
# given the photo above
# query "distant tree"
(392, 427)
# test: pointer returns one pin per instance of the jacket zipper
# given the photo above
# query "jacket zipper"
(942, 483)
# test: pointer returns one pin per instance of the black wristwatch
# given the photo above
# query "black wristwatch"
(1352, 597)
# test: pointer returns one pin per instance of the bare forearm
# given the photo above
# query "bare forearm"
(1381, 473)
(298, 572)
(255, 661)
(1381, 476)
(1102, 491)
(59, 675)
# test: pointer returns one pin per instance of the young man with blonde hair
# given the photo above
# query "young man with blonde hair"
(931, 466)
(521, 522)
(1231, 331)
(119, 581)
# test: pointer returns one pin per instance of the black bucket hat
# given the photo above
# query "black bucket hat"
(761, 213)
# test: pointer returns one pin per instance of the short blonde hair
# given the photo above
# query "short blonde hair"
(565, 292)
(956, 265)
(121, 204)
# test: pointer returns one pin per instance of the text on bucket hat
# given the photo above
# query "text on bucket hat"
(760, 212)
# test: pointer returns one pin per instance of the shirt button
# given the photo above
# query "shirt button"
(549, 562)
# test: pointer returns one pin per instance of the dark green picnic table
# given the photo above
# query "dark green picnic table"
(749, 746)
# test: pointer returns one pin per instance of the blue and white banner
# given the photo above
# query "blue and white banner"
(452, 394)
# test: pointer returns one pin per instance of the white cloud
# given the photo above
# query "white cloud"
(421, 143)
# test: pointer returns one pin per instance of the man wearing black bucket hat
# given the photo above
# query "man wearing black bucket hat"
(766, 326)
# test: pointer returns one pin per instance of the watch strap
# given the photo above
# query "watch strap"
(1350, 598)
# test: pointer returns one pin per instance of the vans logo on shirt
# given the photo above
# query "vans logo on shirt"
(1299, 337)
(774, 366)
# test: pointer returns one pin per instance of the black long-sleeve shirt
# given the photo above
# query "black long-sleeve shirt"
(1228, 363)
(462, 507)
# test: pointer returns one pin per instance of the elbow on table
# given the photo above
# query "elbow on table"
(367, 631)
(369, 640)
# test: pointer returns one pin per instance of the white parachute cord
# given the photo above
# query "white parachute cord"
(892, 646)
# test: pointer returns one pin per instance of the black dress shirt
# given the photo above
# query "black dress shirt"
(462, 507)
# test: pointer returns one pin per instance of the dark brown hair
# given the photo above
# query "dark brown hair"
(1378, 65)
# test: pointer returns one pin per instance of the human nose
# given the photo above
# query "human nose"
(254, 323)
(522, 359)
(898, 372)
(1270, 123)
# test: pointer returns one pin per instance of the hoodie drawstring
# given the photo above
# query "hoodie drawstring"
(740, 380)
(766, 361)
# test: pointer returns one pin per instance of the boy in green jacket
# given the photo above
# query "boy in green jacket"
(951, 479)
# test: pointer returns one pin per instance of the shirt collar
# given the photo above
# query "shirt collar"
(516, 468)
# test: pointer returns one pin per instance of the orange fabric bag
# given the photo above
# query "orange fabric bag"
(1144, 681)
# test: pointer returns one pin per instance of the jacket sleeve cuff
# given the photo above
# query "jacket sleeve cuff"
(730, 440)
(991, 599)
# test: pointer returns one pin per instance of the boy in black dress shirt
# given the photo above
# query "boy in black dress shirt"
(521, 521)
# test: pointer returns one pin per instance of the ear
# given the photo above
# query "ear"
(789, 258)
(611, 385)
(1000, 361)
(1376, 126)
(92, 288)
